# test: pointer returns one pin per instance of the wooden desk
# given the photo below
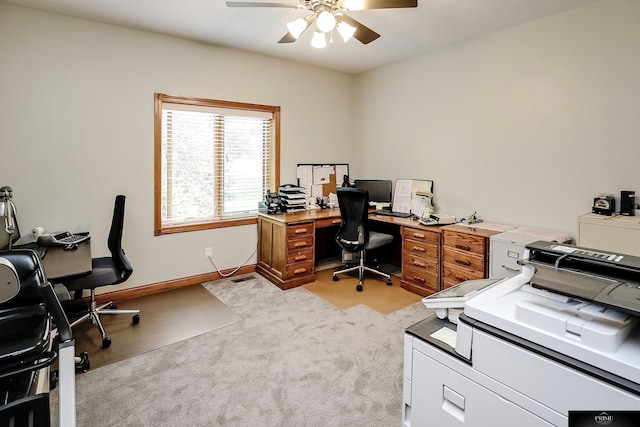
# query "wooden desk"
(287, 248)
(465, 254)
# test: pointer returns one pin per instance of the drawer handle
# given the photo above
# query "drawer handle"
(336, 221)
(419, 279)
(300, 257)
(462, 261)
(419, 264)
(464, 247)
(461, 278)
(300, 230)
(513, 270)
(299, 270)
(419, 236)
(419, 249)
(300, 244)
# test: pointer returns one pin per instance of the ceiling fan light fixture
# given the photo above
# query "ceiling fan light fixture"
(326, 21)
(297, 27)
(319, 40)
(346, 31)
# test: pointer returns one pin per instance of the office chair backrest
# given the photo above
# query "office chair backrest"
(353, 233)
(114, 242)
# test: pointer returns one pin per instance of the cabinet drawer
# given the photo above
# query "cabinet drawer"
(298, 269)
(410, 261)
(441, 396)
(420, 235)
(421, 278)
(464, 242)
(299, 256)
(420, 249)
(298, 230)
(453, 274)
(297, 244)
(464, 260)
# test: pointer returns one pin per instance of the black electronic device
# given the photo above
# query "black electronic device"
(627, 202)
(273, 203)
(379, 189)
(604, 204)
(63, 239)
(387, 212)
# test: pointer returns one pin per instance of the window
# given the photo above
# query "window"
(213, 162)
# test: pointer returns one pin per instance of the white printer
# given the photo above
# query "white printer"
(561, 337)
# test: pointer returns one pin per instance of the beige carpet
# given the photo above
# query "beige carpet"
(376, 294)
(165, 318)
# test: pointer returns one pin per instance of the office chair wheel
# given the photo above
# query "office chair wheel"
(335, 278)
(389, 283)
(106, 342)
(84, 363)
(136, 319)
(359, 288)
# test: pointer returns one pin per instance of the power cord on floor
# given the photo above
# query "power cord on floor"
(238, 268)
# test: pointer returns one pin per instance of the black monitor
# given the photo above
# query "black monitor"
(379, 189)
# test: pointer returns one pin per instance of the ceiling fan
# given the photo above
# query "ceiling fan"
(330, 14)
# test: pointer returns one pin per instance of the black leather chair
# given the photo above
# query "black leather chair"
(106, 271)
(354, 236)
(30, 318)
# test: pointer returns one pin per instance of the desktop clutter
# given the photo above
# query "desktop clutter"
(605, 204)
(405, 198)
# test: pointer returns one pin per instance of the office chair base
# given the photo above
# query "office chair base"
(94, 315)
(361, 268)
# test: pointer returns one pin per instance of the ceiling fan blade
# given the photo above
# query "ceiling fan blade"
(287, 38)
(260, 4)
(378, 4)
(363, 33)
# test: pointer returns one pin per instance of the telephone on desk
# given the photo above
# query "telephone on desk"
(435, 219)
(63, 239)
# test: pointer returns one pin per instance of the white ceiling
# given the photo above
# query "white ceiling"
(404, 32)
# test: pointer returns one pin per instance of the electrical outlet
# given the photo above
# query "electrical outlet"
(207, 252)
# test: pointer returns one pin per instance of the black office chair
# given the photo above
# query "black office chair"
(354, 235)
(106, 271)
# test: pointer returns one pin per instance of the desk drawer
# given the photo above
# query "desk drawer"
(419, 249)
(298, 269)
(298, 230)
(301, 243)
(453, 275)
(294, 256)
(419, 263)
(464, 242)
(328, 222)
(464, 260)
(421, 278)
(420, 235)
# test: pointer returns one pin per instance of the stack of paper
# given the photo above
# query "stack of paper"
(292, 198)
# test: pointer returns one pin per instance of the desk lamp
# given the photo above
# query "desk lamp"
(8, 212)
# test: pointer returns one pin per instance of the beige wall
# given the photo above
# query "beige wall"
(76, 128)
(523, 125)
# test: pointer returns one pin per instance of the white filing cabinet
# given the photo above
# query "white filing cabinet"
(508, 247)
(617, 233)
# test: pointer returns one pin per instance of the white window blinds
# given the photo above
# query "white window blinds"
(216, 162)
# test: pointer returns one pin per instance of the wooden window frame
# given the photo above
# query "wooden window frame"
(159, 228)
